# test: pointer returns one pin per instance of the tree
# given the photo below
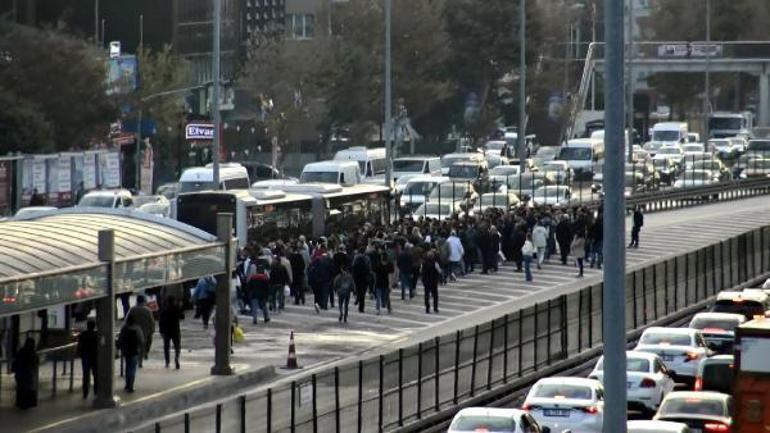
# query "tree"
(162, 71)
(61, 79)
(22, 126)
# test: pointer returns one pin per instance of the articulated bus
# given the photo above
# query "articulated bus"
(751, 387)
(304, 209)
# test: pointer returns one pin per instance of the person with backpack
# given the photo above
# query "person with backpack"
(527, 250)
(383, 271)
(362, 271)
(204, 296)
(298, 275)
(170, 315)
(343, 285)
(131, 345)
(257, 291)
(279, 278)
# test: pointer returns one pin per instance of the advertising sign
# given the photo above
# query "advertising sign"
(39, 181)
(109, 169)
(89, 170)
(199, 131)
(147, 168)
(122, 75)
(5, 187)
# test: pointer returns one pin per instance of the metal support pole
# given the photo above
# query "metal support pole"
(388, 100)
(214, 103)
(707, 83)
(105, 326)
(138, 154)
(630, 86)
(613, 311)
(96, 22)
(223, 313)
(521, 137)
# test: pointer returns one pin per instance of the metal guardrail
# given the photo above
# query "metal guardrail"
(52, 358)
(406, 389)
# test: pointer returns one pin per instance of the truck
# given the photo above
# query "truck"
(722, 124)
(751, 388)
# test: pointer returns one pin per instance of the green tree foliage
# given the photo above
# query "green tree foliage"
(58, 85)
(159, 72)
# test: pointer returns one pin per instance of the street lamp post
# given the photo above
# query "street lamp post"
(630, 96)
(388, 99)
(215, 92)
(522, 83)
(707, 84)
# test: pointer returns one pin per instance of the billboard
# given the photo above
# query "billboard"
(122, 75)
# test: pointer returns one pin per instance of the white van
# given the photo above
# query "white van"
(371, 162)
(231, 176)
(667, 134)
(583, 155)
(336, 172)
(414, 165)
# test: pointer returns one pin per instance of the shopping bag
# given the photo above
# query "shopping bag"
(238, 334)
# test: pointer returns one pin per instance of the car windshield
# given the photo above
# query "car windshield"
(435, 209)
(725, 123)
(480, 423)
(546, 152)
(575, 154)
(448, 161)
(525, 183)
(97, 201)
(692, 405)
(665, 135)
(551, 166)
(749, 309)
(464, 171)
(319, 176)
(718, 376)
(419, 188)
(667, 339)
(408, 165)
(453, 189)
(495, 145)
(195, 186)
(715, 323)
(758, 146)
(669, 151)
(560, 391)
(505, 170)
(661, 162)
(639, 365)
(495, 199)
(550, 191)
(693, 148)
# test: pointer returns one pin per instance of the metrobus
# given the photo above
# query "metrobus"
(311, 210)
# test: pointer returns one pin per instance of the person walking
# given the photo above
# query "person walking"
(258, 291)
(362, 272)
(25, 371)
(131, 345)
(383, 279)
(87, 350)
(597, 244)
(431, 273)
(540, 241)
(298, 275)
(146, 322)
(343, 286)
(405, 271)
(279, 278)
(168, 323)
(578, 251)
(456, 253)
(637, 227)
(493, 253)
(526, 253)
(519, 237)
(564, 237)
(204, 296)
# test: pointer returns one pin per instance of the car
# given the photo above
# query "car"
(693, 149)
(751, 304)
(502, 199)
(716, 374)
(473, 172)
(553, 195)
(702, 411)
(681, 349)
(107, 198)
(502, 173)
(759, 167)
(714, 165)
(153, 204)
(460, 193)
(560, 170)
(496, 147)
(33, 210)
(718, 329)
(666, 168)
(451, 158)
(525, 185)
(648, 380)
(694, 178)
(674, 153)
(496, 161)
(416, 165)
(399, 185)
(643, 426)
(418, 188)
(484, 419)
(547, 153)
(169, 190)
(438, 210)
(572, 403)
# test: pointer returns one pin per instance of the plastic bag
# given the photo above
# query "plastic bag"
(286, 291)
(238, 335)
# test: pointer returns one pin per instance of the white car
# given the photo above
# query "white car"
(693, 178)
(552, 195)
(648, 380)
(33, 210)
(657, 427)
(693, 149)
(681, 349)
(153, 204)
(502, 199)
(109, 198)
(483, 419)
(501, 174)
(718, 329)
(702, 411)
(572, 403)
(438, 211)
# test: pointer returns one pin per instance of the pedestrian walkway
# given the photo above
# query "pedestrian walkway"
(320, 338)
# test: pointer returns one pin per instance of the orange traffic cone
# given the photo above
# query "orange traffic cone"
(291, 360)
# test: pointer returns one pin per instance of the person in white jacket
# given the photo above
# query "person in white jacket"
(526, 254)
(456, 253)
(540, 241)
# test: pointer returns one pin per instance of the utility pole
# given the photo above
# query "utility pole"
(630, 96)
(707, 84)
(614, 293)
(215, 115)
(388, 100)
(96, 22)
(139, 145)
(521, 137)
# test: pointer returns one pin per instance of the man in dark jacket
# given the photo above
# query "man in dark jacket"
(517, 241)
(170, 316)
(279, 278)
(131, 345)
(597, 243)
(87, 349)
(258, 291)
(430, 279)
(405, 270)
(298, 276)
(143, 318)
(322, 274)
(343, 285)
(362, 272)
(564, 237)
(637, 227)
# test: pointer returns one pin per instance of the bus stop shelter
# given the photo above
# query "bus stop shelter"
(74, 255)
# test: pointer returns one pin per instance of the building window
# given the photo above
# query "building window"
(300, 26)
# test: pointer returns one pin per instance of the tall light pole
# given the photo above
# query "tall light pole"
(388, 100)
(96, 22)
(614, 293)
(707, 84)
(521, 137)
(630, 96)
(215, 92)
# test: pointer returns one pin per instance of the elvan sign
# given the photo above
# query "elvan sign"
(199, 131)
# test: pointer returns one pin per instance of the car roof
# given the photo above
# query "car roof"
(659, 426)
(466, 164)
(206, 174)
(702, 395)
(330, 165)
(491, 411)
(428, 178)
(661, 329)
(730, 295)
(717, 316)
(107, 192)
(719, 359)
(415, 158)
(569, 380)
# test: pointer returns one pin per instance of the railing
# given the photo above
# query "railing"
(56, 363)
(410, 387)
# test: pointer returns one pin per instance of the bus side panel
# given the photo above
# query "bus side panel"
(752, 404)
